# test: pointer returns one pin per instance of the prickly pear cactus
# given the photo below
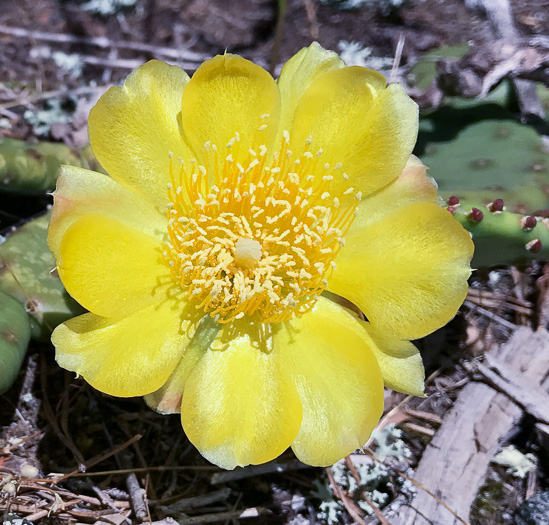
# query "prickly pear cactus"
(501, 237)
(27, 273)
(14, 339)
(494, 157)
(33, 168)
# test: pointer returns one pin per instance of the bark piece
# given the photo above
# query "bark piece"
(454, 464)
(504, 379)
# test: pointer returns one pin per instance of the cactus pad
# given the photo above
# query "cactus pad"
(500, 236)
(27, 273)
(492, 157)
(14, 339)
(33, 168)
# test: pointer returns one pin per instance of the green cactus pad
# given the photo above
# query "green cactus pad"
(14, 339)
(27, 273)
(502, 238)
(481, 153)
(33, 168)
(424, 70)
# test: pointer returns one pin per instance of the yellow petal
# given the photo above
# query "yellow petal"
(408, 272)
(412, 185)
(298, 74)
(229, 94)
(132, 356)
(133, 128)
(240, 406)
(400, 362)
(110, 269)
(338, 379)
(167, 399)
(81, 192)
(398, 359)
(357, 121)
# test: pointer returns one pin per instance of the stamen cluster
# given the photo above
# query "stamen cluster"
(258, 236)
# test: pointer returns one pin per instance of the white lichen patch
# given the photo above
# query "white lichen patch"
(517, 463)
(107, 7)
(390, 444)
(355, 54)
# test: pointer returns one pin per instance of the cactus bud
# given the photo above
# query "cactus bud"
(453, 201)
(496, 206)
(533, 246)
(528, 223)
(475, 215)
(451, 209)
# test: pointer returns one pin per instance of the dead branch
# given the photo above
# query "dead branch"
(104, 43)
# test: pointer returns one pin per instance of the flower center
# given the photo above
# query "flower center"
(247, 253)
(256, 237)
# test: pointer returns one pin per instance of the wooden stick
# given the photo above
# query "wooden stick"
(104, 43)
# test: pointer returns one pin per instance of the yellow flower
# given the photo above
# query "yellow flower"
(232, 203)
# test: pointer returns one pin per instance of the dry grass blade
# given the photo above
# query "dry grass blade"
(52, 419)
(426, 416)
(353, 510)
(420, 429)
(365, 495)
(490, 315)
(98, 460)
(420, 486)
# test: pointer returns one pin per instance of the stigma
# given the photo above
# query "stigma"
(255, 233)
(247, 253)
